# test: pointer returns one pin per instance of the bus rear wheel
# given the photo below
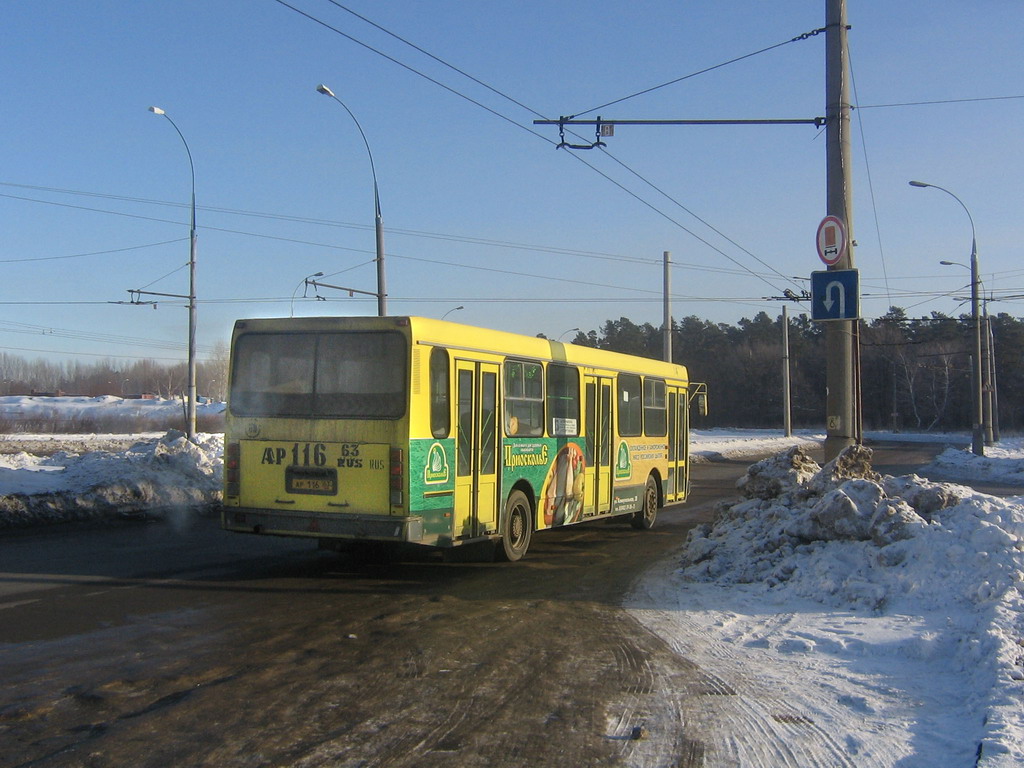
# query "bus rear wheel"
(643, 519)
(516, 528)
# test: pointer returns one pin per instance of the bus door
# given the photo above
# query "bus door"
(598, 476)
(476, 449)
(678, 445)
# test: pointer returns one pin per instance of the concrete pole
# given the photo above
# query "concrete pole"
(382, 290)
(786, 404)
(986, 356)
(842, 415)
(992, 377)
(667, 327)
(978, 420)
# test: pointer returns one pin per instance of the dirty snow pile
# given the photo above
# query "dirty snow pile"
(155, 474)
(890, 609)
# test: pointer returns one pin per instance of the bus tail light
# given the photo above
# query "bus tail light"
(232, 454)
(397, 475)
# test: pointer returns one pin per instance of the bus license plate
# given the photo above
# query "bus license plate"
(316, 480)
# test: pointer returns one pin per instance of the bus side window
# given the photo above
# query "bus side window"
(563, 401)
(655, 422)
(524, 399)
(464, 447)
(440, 394)
(590, 422)
(488, 425)
(630, 405)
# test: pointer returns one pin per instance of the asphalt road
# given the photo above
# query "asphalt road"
(174, 643)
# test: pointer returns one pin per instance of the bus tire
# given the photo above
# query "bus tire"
(643, 519)
(516, 528)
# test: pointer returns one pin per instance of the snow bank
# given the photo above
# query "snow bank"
(151, 476)
(1001, 463)
(23, 407)
(847, 538)
(711, 444)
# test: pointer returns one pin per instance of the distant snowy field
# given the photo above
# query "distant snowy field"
(860, 621)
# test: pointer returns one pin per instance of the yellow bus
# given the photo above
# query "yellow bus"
(420, 431)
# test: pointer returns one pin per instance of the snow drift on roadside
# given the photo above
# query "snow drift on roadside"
(711, 444)
(152, 475)
(1001, 463)
(845, 537)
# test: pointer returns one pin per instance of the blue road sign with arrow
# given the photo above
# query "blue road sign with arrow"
(835, 295)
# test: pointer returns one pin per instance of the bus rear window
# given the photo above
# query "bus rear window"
(352, 375)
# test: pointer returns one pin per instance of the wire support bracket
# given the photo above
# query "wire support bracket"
(606, 128)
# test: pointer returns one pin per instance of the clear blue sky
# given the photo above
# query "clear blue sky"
(481, 210)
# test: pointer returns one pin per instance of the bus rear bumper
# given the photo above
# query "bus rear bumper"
(272, 522)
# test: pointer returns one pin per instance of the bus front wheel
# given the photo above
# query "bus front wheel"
(643, 518)
(516, 528)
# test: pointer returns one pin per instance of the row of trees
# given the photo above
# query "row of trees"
(112, 377)
(915, 372)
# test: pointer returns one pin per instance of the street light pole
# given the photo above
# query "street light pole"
(382, 294)
(190, 407)
(978, 416)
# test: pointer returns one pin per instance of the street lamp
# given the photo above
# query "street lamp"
(453, 309)
(978, 417)
(378, 221)
(566, 333)
(989, 405)
(190, 408)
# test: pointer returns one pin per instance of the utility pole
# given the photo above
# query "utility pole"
(843, 427)
(667, 328)
(992, 377)
(986, 356)
(787, 418)
(787, 397)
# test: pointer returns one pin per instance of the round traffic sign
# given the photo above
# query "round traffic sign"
(831, 240)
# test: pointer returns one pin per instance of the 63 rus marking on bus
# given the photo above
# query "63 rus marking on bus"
(420, 431)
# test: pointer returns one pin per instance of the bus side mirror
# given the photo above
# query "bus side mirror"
(702, 404)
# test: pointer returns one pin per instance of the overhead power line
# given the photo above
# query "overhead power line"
(7, 326)
(93, 253)
(682, 265)
(935, 101)
(804, 36)
(89, 354)
(393, 60)
(621, 186)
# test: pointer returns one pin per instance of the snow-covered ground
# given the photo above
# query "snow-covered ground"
(840, 618)
(859, 620)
